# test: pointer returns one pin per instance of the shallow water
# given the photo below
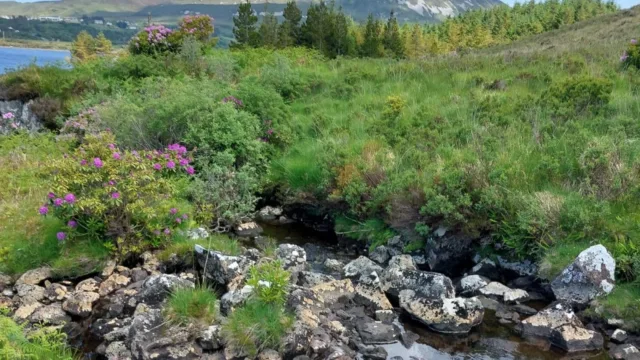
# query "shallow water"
(13, 58)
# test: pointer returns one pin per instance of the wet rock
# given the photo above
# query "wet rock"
(35, 276)
(590, 275)
(524, 309)
(446, 315)
(80, 303)
(447, 252)
(50, 315)
(361, 268)
(55, 292)
(158, 287)
(386, 316)
(333, 265)
(211, 338)
(424, 284)
(380, 255)
(373, 353)
(113, 283)
(293, 256)
(619, 336)
(89, 285)
(117, 350)
(572, 338)
(269, 355)
(311, 279)
(335, 291)
(625, 352)
(374, 332)
(248, 229)
(221, 268)
(30, 293)
(371, 297)
(546, 321)
(408, 338)
(469, 285)
(235, 298)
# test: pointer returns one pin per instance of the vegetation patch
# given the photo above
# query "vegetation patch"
(191, 306)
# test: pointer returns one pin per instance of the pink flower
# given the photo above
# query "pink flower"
(111, 182)
(61, 236)
(97, 163)
(8, 116)
(116, 156)
(178, 220)
(157, 166)
(191, 170)
(43, 210)
(634, 41)
(171, 165)
(167, 231)
(111, 146)
(173, 211)
(115, 195)
(72, 224)
(184, 216)
(70, 198)
(83, 162)
(51, 195)
(184, 162)
(58, 202)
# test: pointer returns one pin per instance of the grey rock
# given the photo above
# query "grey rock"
(269, 214)
(102, 327)
(5, 281)
(470, 284)
(625, 352)
(198, 234)
(521, 268)
(30, 293)
(158, 287)
(386, 316)
(380, 255)
(293, 256)
(486, 268)
(524, 309)
(222, 268)
(211, 338)
(35, 276)
(546, 321)
(248, 229)
(619, 336)
(311, 279)
(138, 274)
(113, 283)
(269, 355)
(80, 303)
(592, 274)
(373, 353)
(90, 285)
(234, 298)
(117, 350)
(425, 284)
(24, 117)
(408, 338)
(361, 268)
(371, 297)
(333, 265)
(374, 333)
(55, 292)
(335, 291)
(572, 338)
(320, 341)
(445, 315)
(50, 315)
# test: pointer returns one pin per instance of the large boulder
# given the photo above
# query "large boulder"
(222, 268)
(425, 284)
(591, 274)
(572, 338)
(445, 315)
(546, 321)
(158, 287)
(80, 303)
(35, 276)
(362, 269)
(293, 257)
(50, 315)
(30, 293)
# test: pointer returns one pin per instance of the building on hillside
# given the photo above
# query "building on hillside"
(71, 20)
(50, 18)
(98, 22)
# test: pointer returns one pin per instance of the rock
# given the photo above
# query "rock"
(402, 262)
(335, 291)
(24, 117)
(371, 297)
(374, 332)
(5, 281)
(524, 309)
(505, 314)
(101, 327)
(89, 285)
(109, 268)
(572, 338)
(619, 336)
(269, 355)
(113, 283)
(80, 303)
(211, 338)
(615, 322)
(515, 296)
(320, 341)
(269, 214)
(380, 255)
(333, 265)
(55, 292)
(24, 311)
(311, 279)
(198, 234)
(30, 293)
(490, 304)
(546, 321)
(424, 284)
(373, 353)
(248, 229)
(625, 352)
(408, 338)
(448, 252)
(590, 275)
(117, 350)
(494, 290)
(361, 268)
(138, 275)
(35, 276)
(445, 315)
(50, 315)
(486, 268)
(221, 268)
(235, 298)
(469, 285)
(520, 268)
(293, 256)
(386, 316)
(158, 287)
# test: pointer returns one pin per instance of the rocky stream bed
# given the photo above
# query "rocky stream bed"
(347, 304)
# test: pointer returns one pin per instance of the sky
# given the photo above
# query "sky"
(625, 4)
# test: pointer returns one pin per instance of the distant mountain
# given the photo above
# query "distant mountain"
(406, 10)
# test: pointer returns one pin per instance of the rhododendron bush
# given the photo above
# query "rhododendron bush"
(159, 39)
(125, 198)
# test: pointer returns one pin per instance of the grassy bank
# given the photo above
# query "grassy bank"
(35, 44)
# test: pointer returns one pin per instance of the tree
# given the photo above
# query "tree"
(392, 41)
(244, 27)
(372, 44)
(102, 45)
(269, 31)
(315, 29)
(84, 47)
(289, 34)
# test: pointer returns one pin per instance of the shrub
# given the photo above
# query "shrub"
(47, 109)
(270, 282)
(631, 56)
(200, 27)
(125, 197)
(154, 40)
(221, 66)
(43, 343)
(257, 326)
(577, 96)
(188, 306)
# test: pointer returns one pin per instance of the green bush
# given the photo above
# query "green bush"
(631, 56)
(40, 344)
(257, 326)
(270, 282)
(125, 198)
(188, 306)
(578, 96)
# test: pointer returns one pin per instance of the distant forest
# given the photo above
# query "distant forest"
(21, 28)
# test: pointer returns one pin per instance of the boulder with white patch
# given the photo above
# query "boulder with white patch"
(222, 268)
(293, 257)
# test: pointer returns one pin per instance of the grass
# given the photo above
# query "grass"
(183, 247)
(559, 257)
(623, 303)
(39, 344)
(192, 306)
(257, 326)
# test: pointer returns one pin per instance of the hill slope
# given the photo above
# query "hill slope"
(414, 10)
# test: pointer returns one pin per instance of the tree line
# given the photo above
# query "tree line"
(332, 32)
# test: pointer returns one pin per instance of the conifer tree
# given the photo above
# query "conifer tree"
(84, 47)
(372, 44)
(315, 28)
(244, 27)
(269, 31)
(391, 40)
(103, 45)
(289, 34)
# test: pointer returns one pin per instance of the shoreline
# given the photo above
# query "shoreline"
(36, 45)
(32, 48)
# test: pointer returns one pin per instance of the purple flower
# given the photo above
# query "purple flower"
(111, 182)
(184, 216)
(173, 211)
(178, 220)
(43, 210)
(72, 224)
(115, 195)
(184, 162)
(111, 146)
(634, 42)
(83, 162)
(157, 166)
(171, 165)
(167, 231)
(8, 116)
(51, 195)
(61, 236)
(70, 198)
(58, 202)
(97, 163)
(116, 156)
(191, 170)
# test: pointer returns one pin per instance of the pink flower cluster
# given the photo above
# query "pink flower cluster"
(8, 116)
(234, 100)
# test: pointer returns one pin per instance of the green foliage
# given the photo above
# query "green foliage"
(622, 303)
(182, 247)
(573, 97)
(123, 198)
(159, 40)
(631, 56)
(270, 282)
(39, 344)
(244, 27)
(86, 47)
(187, 306)
(257, 326)
(375, 232)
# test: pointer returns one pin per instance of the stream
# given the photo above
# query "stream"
(490, 340)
